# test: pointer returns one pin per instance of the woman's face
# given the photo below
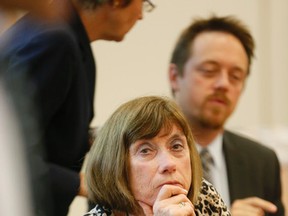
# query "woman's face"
(162, 160)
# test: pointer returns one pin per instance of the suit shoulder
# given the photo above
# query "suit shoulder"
(35, 33)
(245, 144)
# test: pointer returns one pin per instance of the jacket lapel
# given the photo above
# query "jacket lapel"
(236, 165)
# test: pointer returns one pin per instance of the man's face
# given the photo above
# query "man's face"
(121, 20)
(213, 79)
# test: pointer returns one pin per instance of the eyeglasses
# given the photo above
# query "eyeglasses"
(148, 5)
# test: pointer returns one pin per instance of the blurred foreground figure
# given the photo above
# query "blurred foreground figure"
(14, 178)
(25, 188)
(54, 60)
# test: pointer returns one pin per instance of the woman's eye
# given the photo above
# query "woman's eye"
(145, 151)
(177, 146)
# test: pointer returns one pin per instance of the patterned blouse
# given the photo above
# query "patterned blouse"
(209, 203)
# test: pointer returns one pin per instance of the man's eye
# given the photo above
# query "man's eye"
(237, 76)
(208, 71)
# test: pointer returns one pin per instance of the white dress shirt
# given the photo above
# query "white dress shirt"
(219, 171)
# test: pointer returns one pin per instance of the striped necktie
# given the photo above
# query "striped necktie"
(207, 164)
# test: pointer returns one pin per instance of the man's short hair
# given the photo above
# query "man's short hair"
(227, 24)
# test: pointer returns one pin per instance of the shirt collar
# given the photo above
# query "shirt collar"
(215, 149)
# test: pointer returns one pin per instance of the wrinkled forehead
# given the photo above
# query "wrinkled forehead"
(153, 129)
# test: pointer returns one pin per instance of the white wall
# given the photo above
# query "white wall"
(138, 65)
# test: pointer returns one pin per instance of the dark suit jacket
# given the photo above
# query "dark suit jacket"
(253, 170)
(57, 64)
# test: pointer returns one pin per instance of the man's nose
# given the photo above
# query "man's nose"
(222, 80)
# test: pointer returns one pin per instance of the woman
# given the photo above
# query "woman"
(144, 162)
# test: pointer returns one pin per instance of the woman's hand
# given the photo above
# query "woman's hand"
(172, 200)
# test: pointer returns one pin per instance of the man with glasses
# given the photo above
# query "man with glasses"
(55, 60)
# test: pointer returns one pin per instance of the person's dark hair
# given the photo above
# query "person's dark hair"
(227, 24)
(92, 4)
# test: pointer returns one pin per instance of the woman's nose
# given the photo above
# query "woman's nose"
(166, 162)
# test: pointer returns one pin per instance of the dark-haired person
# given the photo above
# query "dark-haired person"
(55, 59)
(208, 71)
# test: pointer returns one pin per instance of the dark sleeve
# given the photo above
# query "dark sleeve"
(37, 169)
(46, 60)
(65, 183)
(47, 63)
(275, 187)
